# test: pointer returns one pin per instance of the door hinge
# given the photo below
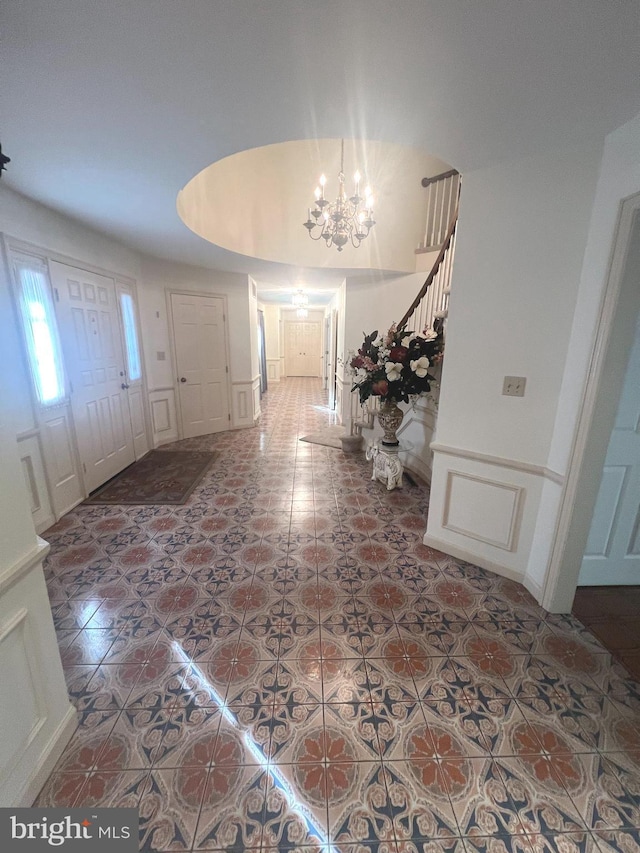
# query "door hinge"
(224, 318)
(84, 468)
(229, 416)
(227, 368)
(56, 294)
(71, 387)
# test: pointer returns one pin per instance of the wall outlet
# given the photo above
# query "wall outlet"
(513, 386)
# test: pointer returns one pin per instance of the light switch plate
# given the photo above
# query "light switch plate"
(513, 386)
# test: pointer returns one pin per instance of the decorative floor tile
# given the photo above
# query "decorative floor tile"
(419, 803)
(233, 808)
(281, 664)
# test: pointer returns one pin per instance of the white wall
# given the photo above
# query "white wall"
(252, 324)
(376, 304)
(273, 347)
(315, 315)
(49, 233)
(522, 232)
(31, 222)
(25, 221)
(158, 277)
(619, 179)
(36, 718)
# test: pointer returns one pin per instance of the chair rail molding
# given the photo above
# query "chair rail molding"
(500, 461)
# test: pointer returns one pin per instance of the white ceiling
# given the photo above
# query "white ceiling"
(110, 108)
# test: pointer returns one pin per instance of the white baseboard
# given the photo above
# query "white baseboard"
(48, 758)
(534, 588)
(48, 522)
(468, 557)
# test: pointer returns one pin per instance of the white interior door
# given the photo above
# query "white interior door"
(302, 348)
(90, 333)
(612, 556)
(199, 333)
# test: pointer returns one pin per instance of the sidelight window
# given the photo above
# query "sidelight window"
(128, 309)
(40, 330)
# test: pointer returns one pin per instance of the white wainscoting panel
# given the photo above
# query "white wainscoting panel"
(486, 513)
(273, 370)
(36, 718)
(243, 413)
(61, 465)
(483, 509)
(138, 426)
(255, 391)
(31, 458)
(164, 420)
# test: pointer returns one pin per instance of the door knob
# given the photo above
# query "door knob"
(183, 379)
(124, 386)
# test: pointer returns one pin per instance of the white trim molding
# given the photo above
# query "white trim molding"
(613, 336)
(488, 512)
(459, 553)
(13, 573)
(482, 492)
(500, 461)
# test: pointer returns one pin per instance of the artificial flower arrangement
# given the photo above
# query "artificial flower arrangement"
(395, 367)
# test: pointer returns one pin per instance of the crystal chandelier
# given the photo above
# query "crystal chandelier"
(346, 219)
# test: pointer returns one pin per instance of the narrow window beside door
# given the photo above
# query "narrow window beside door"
(40, 330)
(130, 336)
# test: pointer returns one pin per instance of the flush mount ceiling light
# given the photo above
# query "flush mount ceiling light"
(302, 313)
(300, 298)
(347, 219)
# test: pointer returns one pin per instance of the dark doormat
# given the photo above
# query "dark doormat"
(162, 477)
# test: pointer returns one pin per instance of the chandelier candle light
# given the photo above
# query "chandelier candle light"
(345, 219)
(300, 301)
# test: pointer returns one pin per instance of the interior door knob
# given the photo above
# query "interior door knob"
(183, 379)
(124, 386)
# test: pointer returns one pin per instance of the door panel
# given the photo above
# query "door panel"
(303, 353)
(88, 318)
(199, 332)
(612, 556)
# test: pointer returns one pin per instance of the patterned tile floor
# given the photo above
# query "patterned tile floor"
(282, 664)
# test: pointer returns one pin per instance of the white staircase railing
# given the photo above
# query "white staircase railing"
(442, 200)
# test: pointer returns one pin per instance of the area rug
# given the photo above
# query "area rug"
(328, 437)
(161, 477)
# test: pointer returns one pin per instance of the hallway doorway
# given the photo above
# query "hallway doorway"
(199, 334)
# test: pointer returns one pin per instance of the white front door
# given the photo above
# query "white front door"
(302, 348)
(612, 556)
(199, 333)
(90, 333)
